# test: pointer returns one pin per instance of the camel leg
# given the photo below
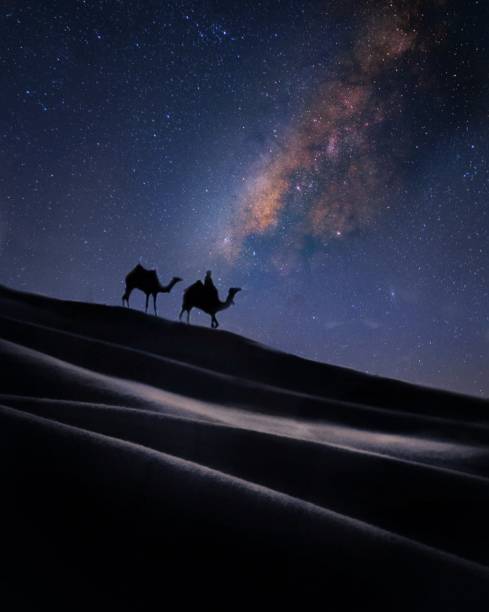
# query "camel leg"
(188, 316)
(147, 300)
(181, 314)
(154, 302)
(214, 323)
(126, 296)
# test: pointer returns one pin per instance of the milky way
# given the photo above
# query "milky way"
(335, 170)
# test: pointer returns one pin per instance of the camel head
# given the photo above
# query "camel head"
(171, 284)
(232, 292)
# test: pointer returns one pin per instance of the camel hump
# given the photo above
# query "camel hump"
(140, 268)
(194, 293)
(136, 271)
(142, 276)
(195, 287)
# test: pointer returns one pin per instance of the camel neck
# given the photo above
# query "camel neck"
(227, 302)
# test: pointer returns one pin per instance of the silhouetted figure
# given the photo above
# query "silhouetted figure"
(148, 282)
(206, 299)
(211, 289)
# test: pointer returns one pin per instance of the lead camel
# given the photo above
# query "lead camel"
(198, 296)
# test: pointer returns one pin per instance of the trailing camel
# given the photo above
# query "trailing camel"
(148, 282)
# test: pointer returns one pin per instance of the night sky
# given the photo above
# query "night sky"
(330, 158)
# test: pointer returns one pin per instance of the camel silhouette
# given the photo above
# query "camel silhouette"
(198, 296)
(148, 282)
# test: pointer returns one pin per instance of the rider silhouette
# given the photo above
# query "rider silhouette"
(209, 286)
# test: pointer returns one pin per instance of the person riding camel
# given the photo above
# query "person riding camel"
(209, 286)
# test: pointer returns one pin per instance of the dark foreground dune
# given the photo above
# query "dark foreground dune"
(148, 464)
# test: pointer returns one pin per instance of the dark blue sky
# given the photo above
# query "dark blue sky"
(328, 157)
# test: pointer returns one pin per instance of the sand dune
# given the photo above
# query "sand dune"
(144, 460)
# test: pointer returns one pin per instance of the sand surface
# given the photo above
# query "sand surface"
(144, 461)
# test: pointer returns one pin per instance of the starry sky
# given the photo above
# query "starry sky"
(329, 157)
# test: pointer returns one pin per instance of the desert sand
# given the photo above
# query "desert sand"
(145, 461)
